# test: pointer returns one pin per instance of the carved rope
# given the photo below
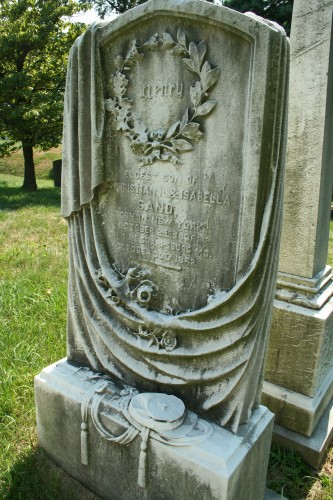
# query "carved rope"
(96, 395)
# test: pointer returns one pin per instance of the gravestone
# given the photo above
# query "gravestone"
(56, 170)
(172, 179)
(299, 371)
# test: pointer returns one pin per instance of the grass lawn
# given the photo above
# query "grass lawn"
(33, 283)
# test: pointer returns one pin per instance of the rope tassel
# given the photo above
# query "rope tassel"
(84, 443)
(143, 461)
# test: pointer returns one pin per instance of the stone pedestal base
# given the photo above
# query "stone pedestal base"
(311, 449)
(220, 466)
(295, 411)
(298, 385)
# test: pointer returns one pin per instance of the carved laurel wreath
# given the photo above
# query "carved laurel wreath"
(163, 144)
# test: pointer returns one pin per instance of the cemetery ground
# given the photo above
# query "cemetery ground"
(33, 288)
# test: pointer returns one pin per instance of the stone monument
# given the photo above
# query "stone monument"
(172, 182)
(299, 372)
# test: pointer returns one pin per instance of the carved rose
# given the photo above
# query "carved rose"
(169, 341)
(166, 340)
(144, 294)
(111, 294)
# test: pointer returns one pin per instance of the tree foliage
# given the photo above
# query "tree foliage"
(106, 7)
(35, 39)
(275, 10)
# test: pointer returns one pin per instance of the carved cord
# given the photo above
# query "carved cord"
(96, 395)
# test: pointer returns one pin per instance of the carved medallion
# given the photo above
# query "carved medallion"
(166, 144)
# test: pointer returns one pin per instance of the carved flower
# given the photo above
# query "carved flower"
(144, 294)
(101, 278)
(143, 333)
(156, 136)
(169, 341)
(111, 294)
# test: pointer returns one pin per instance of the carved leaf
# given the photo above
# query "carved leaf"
(190, 65)
(184, 120)
(181, 37)
(205, 68)
(119, 83)
(140, 131)
(133, 55)
(172, 130)
(132, 49)
(201, 51)
(119, 61)
(152, 43)
(194, 54)
(205, 108)
(210, 78)
(191, 131)
(170, 157)
(167, 40)
(196, 94)
(182, 145)
(179, 50)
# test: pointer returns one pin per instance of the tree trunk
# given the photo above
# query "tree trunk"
(29, 183)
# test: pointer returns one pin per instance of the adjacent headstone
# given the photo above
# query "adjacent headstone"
(56, 170)
(299, 369)
(172, 183)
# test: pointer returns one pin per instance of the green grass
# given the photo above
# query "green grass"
(33, 275)
(33, 284)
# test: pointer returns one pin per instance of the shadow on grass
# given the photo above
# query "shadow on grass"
(35, 477)
(14, 198)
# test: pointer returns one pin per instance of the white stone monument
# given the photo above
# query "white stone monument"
(299, 372)
(172, 183)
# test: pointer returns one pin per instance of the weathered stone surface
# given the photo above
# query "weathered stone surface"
(300, 350)
(173, 155)
(299, 373)
(313, 448)
(309, 165)
(214, 468)
(294, 410)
